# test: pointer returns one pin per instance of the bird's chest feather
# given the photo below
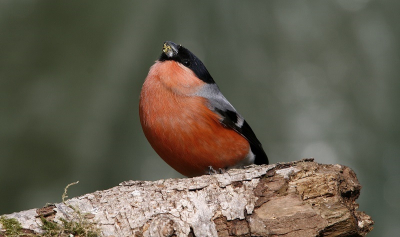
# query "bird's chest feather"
(167, 104)
(169, 115)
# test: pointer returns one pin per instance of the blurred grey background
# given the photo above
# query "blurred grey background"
(313, 79)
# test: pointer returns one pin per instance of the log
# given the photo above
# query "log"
(301, 198)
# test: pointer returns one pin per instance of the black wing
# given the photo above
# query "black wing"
(233, 120)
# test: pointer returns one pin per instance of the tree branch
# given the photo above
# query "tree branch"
(301, 198)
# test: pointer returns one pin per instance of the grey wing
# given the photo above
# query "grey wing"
(232, 119)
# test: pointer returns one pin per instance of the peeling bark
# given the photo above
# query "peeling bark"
(301, 198)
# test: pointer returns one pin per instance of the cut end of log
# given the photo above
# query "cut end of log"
(309, 199)
(301, 198)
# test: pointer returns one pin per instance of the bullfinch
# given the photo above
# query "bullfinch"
(187, 120)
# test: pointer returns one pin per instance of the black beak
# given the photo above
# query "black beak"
(170, 49)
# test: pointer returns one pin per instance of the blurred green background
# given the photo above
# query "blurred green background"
(313, 79)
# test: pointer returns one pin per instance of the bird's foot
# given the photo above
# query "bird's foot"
(212, 171)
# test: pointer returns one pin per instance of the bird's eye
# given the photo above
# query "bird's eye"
(186, 62)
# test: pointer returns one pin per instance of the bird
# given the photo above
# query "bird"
(189, 122)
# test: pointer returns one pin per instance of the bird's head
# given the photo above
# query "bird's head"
(182, 55)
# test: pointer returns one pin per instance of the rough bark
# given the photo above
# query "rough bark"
(301, 198)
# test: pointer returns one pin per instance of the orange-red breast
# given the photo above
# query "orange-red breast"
(188, 121)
